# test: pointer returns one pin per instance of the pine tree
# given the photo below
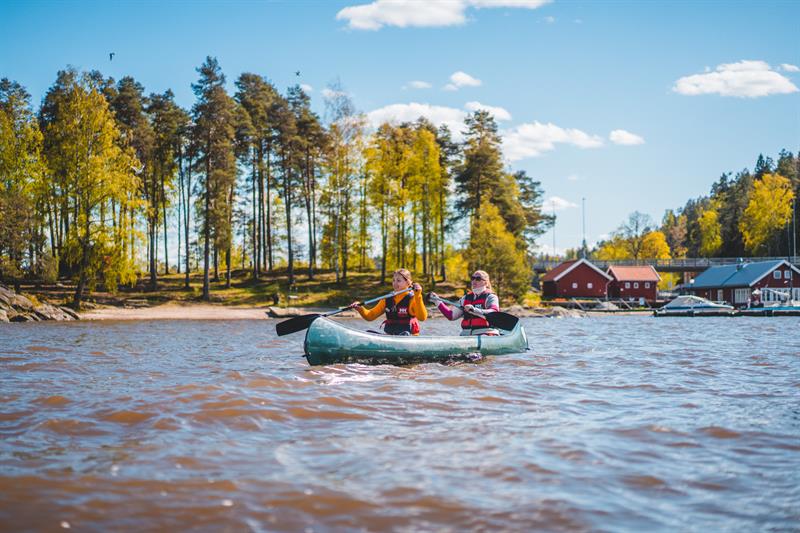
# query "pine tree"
(214, 116)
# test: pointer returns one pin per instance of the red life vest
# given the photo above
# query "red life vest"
(474, 321)
(398, 319)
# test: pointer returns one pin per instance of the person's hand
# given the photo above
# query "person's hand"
(434, 298)
(469, 308)
(354, 305)
(417, 287)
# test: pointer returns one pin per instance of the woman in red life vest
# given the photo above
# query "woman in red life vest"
(473, 306)
(404, 312)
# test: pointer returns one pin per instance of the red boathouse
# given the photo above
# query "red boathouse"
(633, 282)
(575, 279)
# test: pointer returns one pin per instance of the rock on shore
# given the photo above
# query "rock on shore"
(17, 308)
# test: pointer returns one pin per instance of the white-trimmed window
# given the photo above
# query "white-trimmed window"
(627, 284)
(588, 285)
(787, 274)
(646, 284)
(574, 285)
(740, 296)
(636, 285)
(776, 274)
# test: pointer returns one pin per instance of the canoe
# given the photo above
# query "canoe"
(329, 342)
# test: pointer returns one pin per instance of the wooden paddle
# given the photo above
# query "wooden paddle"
(497, 319)
(302, 322)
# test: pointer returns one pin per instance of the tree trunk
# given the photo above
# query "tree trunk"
(206, 226)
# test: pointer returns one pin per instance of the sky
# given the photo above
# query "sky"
(616, 105)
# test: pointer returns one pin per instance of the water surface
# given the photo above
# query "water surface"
(608, 423)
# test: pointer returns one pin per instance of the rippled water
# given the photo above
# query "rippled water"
(630, 423)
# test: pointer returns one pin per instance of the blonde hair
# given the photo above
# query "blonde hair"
(485, 276)
(404, 273)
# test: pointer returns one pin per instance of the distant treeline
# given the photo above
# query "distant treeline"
(90, 183)
(746, 215)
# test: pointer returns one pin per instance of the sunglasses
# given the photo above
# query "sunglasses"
(477, 278)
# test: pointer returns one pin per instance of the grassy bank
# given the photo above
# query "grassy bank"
(271, 289)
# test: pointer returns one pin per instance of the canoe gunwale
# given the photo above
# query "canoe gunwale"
(328, 342)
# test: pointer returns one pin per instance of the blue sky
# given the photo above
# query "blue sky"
(690, 89)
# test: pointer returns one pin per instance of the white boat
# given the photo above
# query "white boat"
(689, 305)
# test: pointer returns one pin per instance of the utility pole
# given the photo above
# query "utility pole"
(583, 224)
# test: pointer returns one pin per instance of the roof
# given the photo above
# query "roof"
(551, 275)
(634, 273)
(738, 275)
(567, 266)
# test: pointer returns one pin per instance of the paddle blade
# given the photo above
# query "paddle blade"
(501, 320)
(295, 324)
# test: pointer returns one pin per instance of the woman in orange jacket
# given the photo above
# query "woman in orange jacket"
(404, 311)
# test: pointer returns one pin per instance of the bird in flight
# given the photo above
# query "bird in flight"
(296, 72)
(111, 56)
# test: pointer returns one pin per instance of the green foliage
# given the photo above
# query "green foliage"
(494, 249)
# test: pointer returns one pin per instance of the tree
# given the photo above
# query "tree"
(166, 121)
(769, 208)
(654, 246)
(633, 231)
(494, 249)
(710, 231)
(214, 116)
(97, 171)
(21, 175)
(482, 166)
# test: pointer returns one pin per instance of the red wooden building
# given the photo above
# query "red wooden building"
(575, 279)
(735, 284)
(633, 282)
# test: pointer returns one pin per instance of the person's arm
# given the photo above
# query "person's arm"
(417, 307)
(492, 304)
(371, 314)
(450, 313)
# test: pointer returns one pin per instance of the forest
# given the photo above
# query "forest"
(93, 180)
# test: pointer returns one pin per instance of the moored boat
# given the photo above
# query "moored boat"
(689, 305)
(329, 342)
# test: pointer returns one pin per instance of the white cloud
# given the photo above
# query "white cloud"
(550, 20)
(745, 79)
(417, 84)
(306, 87)
(462, 79)
(533, 139)
(450, 87)
(438, 115)
(625, 137)
(410, 13)
(786, 67)
(497, 112)
(556, 203)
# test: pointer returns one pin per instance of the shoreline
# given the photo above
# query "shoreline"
(202, 311)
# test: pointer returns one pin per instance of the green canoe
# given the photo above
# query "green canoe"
(328, 342)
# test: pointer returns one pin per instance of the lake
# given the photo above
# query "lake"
(607, 423)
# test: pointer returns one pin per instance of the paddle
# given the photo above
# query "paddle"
(497, 319)
(302, 322)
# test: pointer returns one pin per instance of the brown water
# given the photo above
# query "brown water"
(618, 423)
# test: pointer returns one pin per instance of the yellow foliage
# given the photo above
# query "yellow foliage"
(654, 246)
(669, 280)
(710, 232)
(768, 210)
(613, 250)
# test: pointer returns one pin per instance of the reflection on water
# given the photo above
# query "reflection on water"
(607, 424)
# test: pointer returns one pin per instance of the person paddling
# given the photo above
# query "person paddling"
(404, 311)
(473, 306)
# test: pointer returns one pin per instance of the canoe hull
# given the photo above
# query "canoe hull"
(328, 342)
